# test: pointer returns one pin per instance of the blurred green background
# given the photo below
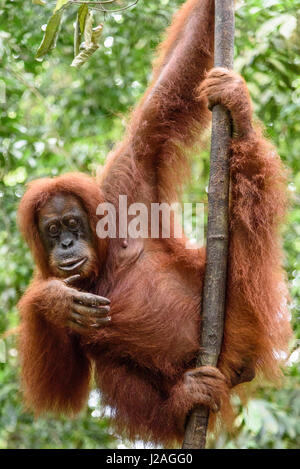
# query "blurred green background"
(55, 119)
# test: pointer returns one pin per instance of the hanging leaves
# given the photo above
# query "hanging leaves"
(52, 29)
(82, 15)
(91, 39)
(83, 28)
(51, 34)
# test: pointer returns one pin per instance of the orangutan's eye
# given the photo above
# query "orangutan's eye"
(72, 223)
(53, 229)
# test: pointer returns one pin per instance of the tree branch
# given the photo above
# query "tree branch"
(98, 5)
(217, 230)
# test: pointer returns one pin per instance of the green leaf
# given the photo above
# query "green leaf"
(81, 15)
(88, 29)
(50, 36)
(60, 4)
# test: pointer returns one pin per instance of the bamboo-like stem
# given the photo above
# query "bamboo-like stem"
(217, 229)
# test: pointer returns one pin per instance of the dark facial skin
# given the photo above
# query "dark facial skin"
(66, 235)
(68, 240)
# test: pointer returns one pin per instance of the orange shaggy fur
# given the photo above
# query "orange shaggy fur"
(142, 356)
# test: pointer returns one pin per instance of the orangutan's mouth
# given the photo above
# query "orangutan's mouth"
(72, 264)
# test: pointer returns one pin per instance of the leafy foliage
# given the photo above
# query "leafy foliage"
(82, 28)
(55, 118)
